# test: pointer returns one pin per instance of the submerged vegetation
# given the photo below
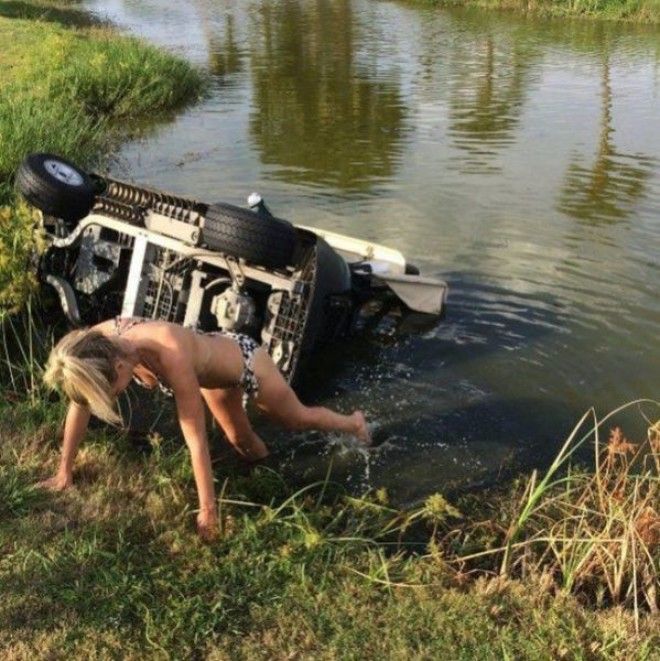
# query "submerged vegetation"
(637, 11)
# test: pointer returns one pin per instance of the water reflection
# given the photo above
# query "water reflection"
(486, 100)
(608, 189)
(320, 114)
(225, 54)
(363, 117)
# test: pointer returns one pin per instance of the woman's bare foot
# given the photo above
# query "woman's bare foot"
(59, 482)
(361, 429)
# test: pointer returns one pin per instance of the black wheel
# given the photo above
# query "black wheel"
(55, 186)
(241, 233)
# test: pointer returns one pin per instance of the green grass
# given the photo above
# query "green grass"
(63, 12)
(637, 11)
(113, 568)
(64, 90)
(73, 91)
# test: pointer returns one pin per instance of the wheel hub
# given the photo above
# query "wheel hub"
(63, 172)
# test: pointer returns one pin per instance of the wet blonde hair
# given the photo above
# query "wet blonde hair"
(82, 365)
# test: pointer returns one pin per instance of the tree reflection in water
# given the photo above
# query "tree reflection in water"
(225, 55)
(488, 86)
(321, 114)
(608, 189)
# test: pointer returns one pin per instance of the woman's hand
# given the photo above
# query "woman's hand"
(207, 525)
(59, 482)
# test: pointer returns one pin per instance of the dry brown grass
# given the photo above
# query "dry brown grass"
(593, 533)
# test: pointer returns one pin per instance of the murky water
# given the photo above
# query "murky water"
(517, 159)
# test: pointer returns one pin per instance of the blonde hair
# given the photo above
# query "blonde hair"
(82, 365)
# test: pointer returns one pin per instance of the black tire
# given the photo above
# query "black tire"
(269, 242)
(55, 186)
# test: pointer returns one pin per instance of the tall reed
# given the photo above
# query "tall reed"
(25, 338)
(595, 533)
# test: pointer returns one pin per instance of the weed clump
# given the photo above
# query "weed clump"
(594, 533)
(19, 244)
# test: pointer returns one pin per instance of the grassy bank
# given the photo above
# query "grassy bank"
(65, 89)
(635, 11)
(113, 567)
(70, 87)
(559, 565)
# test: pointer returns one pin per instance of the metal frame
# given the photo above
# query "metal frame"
(151, 225)
(211, 257)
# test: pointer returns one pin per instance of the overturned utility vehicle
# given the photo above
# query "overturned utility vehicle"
(114, 248)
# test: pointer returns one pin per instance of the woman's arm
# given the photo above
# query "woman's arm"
(75, 425)
(190, 409)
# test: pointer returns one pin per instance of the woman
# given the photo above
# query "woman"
(94, 365)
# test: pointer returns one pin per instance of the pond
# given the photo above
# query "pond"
(516, 158)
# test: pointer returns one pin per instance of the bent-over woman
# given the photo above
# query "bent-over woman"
(92, 366)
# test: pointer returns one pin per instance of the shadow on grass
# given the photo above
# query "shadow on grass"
(51, 13)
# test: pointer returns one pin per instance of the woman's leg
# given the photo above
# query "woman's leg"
(277, 399)
(226, 405)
